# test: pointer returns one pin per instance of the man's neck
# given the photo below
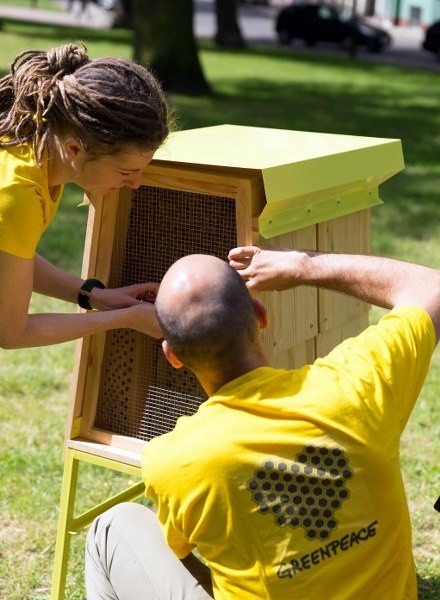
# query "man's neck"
(212, 381)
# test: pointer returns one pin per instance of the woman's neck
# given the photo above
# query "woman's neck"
(58, 169)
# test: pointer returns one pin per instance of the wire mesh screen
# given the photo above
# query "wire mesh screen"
(140, 394)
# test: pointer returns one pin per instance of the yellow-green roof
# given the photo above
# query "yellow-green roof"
(306, 175)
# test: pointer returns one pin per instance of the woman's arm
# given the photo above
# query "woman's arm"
(18, 329)
(52, 281)
(56, 283)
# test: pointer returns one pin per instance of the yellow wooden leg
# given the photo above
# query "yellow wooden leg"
(67, 504)
(68, 524)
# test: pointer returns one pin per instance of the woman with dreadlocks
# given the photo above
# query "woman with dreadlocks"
(67, 118)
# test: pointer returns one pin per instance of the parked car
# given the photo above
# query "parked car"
(431, 43)
(108, 4)
(325, 23)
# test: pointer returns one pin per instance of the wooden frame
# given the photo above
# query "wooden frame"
(305, 322)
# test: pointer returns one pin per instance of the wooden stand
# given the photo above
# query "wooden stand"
(196, 198)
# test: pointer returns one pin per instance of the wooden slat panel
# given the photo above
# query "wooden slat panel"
(96, 262)
(298, 356)
(349, 234)
(293, 314)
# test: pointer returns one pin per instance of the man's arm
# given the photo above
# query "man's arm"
(384, 282)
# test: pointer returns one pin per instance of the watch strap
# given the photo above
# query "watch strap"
(85, 291)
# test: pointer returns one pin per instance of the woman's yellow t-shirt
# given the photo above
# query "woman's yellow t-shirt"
(26, 205)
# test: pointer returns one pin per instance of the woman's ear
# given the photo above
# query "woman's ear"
(73, 148)
(170, 356)
(261, 313)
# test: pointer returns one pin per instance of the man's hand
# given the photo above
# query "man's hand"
(266, 269)
(384, 282)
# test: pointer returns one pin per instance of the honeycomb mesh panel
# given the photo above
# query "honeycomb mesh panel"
(140, 394)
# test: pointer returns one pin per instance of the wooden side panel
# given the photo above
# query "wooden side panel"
(349, 234)
(293, 314)
(129, 390)
(298, 356)
(96, 263)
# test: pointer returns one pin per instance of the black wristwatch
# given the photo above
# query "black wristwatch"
(84, 292)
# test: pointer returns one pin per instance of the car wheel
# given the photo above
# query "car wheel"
(374, 46)
(284, 37)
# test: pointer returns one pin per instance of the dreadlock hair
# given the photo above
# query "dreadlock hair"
(107, 103)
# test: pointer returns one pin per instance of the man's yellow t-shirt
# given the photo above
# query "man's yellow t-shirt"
(288, 482)
(26, 206)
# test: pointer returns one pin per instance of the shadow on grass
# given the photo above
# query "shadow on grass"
(348, 104)
(428, 588)
(289, 90)
(58, 33)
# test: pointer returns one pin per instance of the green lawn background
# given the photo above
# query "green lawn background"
(260, 87)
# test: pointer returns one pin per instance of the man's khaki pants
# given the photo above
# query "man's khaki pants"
(127, 558)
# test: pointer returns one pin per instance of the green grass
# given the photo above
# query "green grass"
(261, 87)
(42, 4)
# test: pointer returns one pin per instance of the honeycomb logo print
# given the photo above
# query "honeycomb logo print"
(305, 493)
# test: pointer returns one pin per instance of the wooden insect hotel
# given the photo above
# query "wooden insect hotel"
(207, 191)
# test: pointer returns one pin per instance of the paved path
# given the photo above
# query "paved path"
(93, 17)
(257, 24)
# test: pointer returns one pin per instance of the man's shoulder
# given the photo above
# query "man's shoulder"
(404, 336)
(409, 322)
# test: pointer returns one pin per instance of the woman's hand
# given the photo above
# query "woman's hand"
(143, 318)
(266, 269)
(120, 308)
(123, 297)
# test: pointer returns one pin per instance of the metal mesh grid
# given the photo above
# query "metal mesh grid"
(140, 394)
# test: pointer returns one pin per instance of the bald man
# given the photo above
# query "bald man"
(286, 483)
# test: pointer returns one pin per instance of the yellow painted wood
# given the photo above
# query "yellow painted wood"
(291, 214)
(87, 518)
(328, 174)
(68, 524)
(62, 546)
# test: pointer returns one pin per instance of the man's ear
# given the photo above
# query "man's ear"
(170, 356)
(261, 313)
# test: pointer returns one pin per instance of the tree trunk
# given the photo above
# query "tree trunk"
(370, 8)
(164, 40)
(228, 29)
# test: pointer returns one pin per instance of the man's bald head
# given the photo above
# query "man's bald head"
(205, 311)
